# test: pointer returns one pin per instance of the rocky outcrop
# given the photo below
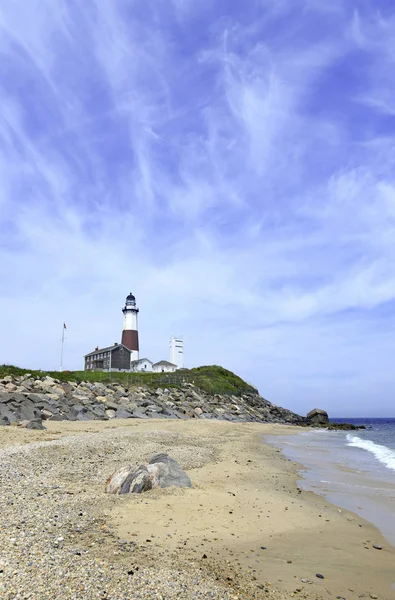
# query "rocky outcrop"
(317, 416)
(27, 398)
(161, 471)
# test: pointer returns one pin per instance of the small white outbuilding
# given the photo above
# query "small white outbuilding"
(143, 365)
(164, 366)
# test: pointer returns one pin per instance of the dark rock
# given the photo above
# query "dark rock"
(32, 424)
(123, 413)
(318, 417)
(4, 421)
(139, 414)
(83, 415)
(7, 413)
(344, 426)
(319, 576)
(6, 397)
(27, 411)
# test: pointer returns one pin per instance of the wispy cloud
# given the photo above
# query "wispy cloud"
(234, 170)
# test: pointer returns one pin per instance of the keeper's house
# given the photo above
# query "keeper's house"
(113, 358)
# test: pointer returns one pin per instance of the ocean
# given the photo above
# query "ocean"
(353, 469)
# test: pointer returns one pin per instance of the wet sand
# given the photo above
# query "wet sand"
(243, 524)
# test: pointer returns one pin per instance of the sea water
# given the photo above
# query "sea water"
(353, 469)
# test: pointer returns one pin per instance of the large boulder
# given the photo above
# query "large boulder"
(162, 471)
(318, 416)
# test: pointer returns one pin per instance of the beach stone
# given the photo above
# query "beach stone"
(115, 481)
(377, 546)
(173, 474)
(162, 471)
(32, 424)
(319, 576)
(317, 416)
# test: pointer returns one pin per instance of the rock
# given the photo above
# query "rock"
(173, 474)
(123, 413)
(10, 387)
(4, 421)
(32, 424)
(7, 397)
(27, 411)
(46, 414)
(101, 399)
(319, 576)
(51, 399)
(317, 417)
(139, 414)
(377, 546)
(162, 471)
(115, 481)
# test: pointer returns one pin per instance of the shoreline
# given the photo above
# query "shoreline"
(245, 497)
(349, 478)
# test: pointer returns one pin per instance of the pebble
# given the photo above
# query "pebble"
(319, 576)
(377, 546)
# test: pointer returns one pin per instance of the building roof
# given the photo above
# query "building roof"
(164, 363)
(108, 349)
(136, 362)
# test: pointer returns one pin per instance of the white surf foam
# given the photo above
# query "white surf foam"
(383, 454)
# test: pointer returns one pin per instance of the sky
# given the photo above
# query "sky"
(230, 163)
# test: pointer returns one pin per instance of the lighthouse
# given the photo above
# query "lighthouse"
(130, 335)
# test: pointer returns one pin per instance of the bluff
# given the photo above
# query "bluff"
(26, 397)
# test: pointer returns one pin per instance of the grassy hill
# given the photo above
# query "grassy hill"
(212, 379)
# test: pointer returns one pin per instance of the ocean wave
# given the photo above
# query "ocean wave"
(383, 454)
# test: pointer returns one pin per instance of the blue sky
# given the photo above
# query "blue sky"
(231, 163)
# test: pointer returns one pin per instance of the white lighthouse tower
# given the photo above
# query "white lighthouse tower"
(130, 334)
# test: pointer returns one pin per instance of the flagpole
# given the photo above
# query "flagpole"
(61, 350)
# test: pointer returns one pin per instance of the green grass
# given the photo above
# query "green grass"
(212, 379)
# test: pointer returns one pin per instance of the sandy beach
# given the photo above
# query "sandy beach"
(243, 531)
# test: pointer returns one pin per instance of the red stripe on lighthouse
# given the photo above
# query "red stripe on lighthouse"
(130, 339)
